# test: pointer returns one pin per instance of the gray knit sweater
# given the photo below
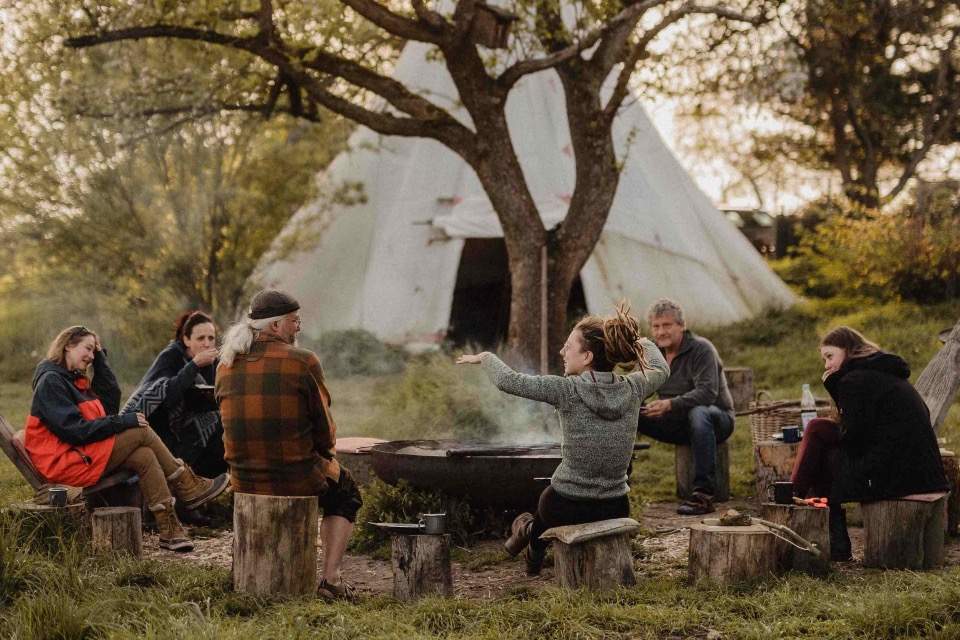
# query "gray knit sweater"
(598, 414)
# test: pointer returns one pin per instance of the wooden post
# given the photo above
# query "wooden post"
(740, 383)
(117, 529)
(809, 523)
(275, 544)
(773, 463)
(683, 464)
(905, 533)
(940, 379)
(421, 566)
(952, 471)
(727, 555)
(595, 555)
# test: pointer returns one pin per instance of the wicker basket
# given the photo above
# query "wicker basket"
(768, 417)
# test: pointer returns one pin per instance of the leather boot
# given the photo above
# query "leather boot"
(192, 490)
(519, 534)
(840, 550)
(172, 534)
(534, 560)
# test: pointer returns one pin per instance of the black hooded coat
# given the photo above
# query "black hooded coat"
(888, 448)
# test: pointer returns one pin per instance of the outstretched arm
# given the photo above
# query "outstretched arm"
(549, 389)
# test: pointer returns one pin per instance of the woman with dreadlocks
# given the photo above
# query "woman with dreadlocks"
(598, 411)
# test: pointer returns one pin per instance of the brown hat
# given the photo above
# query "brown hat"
(271, 303)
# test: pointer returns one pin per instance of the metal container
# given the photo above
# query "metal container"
(433, 523)
(57, 496)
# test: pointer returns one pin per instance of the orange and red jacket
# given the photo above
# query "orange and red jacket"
(69, 434)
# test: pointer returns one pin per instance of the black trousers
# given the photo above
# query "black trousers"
(554, 510)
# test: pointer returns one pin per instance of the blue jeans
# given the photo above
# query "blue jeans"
(702, 429)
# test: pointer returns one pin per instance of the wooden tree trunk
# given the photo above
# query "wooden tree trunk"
(740, 383)
(421, 566)
(952, 471)
(274, 544)
(683, 465)
(773, 463)
(940, 379)
(595, 555)
(117, 530)
(904, 534)
(727, 555)
(811, 524)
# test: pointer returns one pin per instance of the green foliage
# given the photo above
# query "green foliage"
(402, 503)
(356, 352)
(909, 254)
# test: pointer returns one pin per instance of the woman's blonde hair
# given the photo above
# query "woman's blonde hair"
(613, 340)
(851, 341)
(70, 336)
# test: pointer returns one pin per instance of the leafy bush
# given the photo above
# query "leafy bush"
(402, 503)
(357, 352)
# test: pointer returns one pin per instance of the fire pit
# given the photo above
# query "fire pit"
(499, 475)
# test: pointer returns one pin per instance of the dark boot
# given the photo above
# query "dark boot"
(519, 534)
(840, 550)
(192, 517)
(697, 504)
(534, 558)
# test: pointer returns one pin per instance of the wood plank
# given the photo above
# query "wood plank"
(18, 456)
(939, 382)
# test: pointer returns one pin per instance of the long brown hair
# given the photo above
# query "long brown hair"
(70, 336)
(613, 340)
(851, 341)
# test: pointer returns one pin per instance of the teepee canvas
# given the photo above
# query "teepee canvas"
(390, 262)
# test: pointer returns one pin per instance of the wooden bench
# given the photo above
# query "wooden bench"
(906, 533)
(683, 464)
(116, 489)
(595, 555)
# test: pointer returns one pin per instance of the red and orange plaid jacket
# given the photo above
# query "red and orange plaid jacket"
(278, 432)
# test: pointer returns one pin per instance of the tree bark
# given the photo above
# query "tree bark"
(421, 566)
(117, 529)
(904, 534)
(727, 555)
(774, 463)
(811, 524)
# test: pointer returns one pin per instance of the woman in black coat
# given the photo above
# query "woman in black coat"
(883, 446)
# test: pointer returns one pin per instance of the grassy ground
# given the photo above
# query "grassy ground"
(68, 594)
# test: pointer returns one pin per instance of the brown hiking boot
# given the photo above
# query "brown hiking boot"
(519, 534)
(172, 534)
(192, 490)
(697, 504)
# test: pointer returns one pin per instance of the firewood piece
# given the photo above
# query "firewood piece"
(421, 566)
(274, 544)
(117, 530)
(810, 523)
(595, 555)
(773, 463)
(683, 462)
(904, 534)
(740, 383)
(727, 555)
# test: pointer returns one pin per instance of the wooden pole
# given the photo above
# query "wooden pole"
(544, 333)
(421, 566)
(117, 530)
(275, 544)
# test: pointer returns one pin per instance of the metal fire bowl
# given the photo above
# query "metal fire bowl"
(500, 481)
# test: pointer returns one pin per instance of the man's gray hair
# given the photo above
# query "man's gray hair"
(665, 306)
(239, 338)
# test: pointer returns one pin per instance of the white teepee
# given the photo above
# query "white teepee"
(389, 264)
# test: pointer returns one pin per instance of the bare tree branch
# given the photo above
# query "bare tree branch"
(396, 24)
(162, 31)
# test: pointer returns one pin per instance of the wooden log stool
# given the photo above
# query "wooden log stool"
(117, 530)
(595, 555)
(421, 565)
(773, 461)
(683, 464)
(907, 533)
(810, 523)
(275, 544)
(740, 383)
(727, 555)
(952, 471)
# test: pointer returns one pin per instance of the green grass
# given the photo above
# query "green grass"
(71, 594)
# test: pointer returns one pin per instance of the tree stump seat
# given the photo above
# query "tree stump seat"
(683, 466)
(730, 554)
(951, 469)
(421, 565)
(810, 523)
(906, 533)
(773, 461)
(275, 544)
(117, 530)
(594, 555)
